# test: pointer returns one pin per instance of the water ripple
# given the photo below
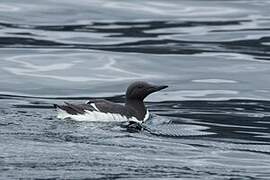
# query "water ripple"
(215, 134)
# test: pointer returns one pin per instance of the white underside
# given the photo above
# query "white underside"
(97, 116)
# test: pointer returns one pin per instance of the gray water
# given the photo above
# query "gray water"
(211, 123)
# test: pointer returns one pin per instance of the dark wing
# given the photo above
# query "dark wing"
(100, 105)
(75, 109)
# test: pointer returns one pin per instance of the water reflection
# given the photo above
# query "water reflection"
(153, 37)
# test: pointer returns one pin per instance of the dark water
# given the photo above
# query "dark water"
(212, 123)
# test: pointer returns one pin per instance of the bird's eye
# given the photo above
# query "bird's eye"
(140, 87)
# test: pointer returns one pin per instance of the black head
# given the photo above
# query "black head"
(140, 90)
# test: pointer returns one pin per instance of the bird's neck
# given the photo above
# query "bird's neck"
(137, 106)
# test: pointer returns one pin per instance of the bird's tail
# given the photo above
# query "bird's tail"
(56, 106)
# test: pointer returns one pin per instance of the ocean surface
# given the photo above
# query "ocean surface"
(213, 122)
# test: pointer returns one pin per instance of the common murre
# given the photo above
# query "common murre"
(134, 109)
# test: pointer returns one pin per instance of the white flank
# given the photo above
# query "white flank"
(97, 116)
(94, 106)
(94, 116)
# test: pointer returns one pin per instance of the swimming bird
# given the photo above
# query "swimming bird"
(133, 110)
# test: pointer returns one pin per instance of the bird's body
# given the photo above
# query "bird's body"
(90, 111)
(134, 109)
